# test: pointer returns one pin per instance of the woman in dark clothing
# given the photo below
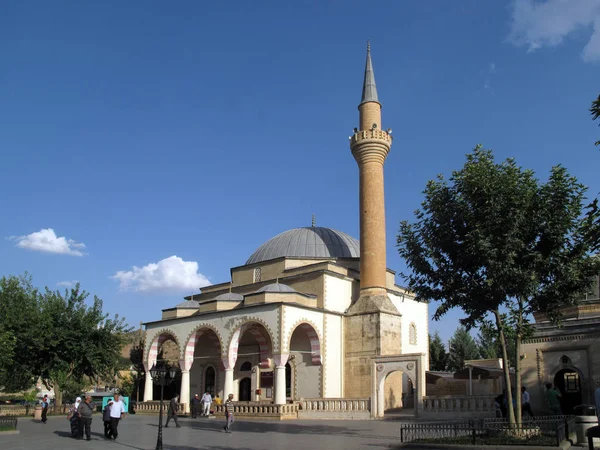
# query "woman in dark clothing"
(106, 419)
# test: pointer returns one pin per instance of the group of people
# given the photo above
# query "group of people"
(501, 404)
(203, 404)
(206, 401)
(80, 417)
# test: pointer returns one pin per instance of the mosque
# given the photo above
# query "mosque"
(312, 314)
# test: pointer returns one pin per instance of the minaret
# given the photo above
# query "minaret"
(370, 146)
(372, 322)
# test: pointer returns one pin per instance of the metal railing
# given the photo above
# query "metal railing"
(548, 430)
(8, 423)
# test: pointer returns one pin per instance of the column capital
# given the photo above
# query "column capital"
(281, 359)
(186, 364)
(228, 362)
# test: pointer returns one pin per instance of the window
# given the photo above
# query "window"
(257, 274)
(246, 367)
(412, 334)
(565, 359)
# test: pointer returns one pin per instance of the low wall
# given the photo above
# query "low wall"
(458, 407)
(334, 408)
(258, 410)
(153, 407)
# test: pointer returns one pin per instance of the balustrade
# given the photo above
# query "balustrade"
(464, 405)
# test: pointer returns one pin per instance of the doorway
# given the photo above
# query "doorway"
(568, 382)
(245, 390)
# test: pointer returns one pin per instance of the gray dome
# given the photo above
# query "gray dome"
(230, 296)
(188, 304)
(276, 287)
(309, 242)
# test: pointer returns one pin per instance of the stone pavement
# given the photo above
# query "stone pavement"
(139, 432)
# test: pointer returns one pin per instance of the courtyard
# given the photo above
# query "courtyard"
(140, 432)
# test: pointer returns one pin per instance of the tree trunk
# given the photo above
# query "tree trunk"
(505, 369)
(518, 339)
(58, 395)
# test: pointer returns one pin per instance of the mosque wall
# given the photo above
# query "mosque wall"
(337, 293)
(333, 358)
(415, 325)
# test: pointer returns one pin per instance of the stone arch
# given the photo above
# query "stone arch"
(158, 339)
(234, 340)
(313, 336)
(191, 339)
(412, 365)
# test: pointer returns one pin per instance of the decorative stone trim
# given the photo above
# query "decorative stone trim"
(234, 338)
(324, 358)
(570, 337)
(313, 345)
(155, 342)
(199, 327)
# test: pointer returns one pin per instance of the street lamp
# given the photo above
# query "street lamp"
(162, 377)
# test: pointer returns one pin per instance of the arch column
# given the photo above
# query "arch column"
(280, 361)
(184, 396)
(148, 386)
(228, 364)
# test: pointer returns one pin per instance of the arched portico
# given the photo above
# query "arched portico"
(305, 353)
(410, 364)
(203, 344)
(156, 343)
(251, 340)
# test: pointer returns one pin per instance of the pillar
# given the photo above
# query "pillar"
(228, 365)
(280, 361)
(148, 386)
(184, 396)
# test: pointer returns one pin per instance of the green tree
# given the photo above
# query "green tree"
(20, 336)
(488, 345)
(438, 357)
(461, 347)
(82, 341)
(595, 111)
(495, 239)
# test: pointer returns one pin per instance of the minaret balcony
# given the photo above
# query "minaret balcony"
(370, 135)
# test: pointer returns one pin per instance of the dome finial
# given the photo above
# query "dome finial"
(314, 220)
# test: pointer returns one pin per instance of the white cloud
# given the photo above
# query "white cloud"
(171, 274)
(46, 241)
(67, 284)
(537, 24)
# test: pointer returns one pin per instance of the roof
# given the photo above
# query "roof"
(369, 92)
(188, 304)
(307, 242)
(277, 287)
(230, 296)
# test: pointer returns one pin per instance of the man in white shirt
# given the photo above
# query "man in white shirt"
(117, 411)
(525, 406)
(206, 401)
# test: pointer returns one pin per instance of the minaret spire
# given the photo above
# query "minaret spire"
(369, 91)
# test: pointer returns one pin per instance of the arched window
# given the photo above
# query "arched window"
(565, 359)
(246, 367)
(209, 381)
(412, 334)
(257, 274)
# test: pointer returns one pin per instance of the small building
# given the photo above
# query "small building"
(566, 355)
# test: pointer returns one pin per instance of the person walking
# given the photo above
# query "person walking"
(106, 419)
(172, 412)
(553, 399)
(206, 401)
(45, 405)
(229, 414)
(117, 412)
(525, 405)
(85, 411)
(75, 419)
(195, 405)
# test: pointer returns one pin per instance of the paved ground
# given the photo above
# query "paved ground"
(139, 432)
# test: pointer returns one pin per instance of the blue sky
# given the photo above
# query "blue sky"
(186, 134)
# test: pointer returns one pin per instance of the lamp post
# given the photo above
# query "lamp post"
(162, 377)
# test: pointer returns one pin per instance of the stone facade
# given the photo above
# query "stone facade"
(565, 355)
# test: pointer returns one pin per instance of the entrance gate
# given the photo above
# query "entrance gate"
(411, 364)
